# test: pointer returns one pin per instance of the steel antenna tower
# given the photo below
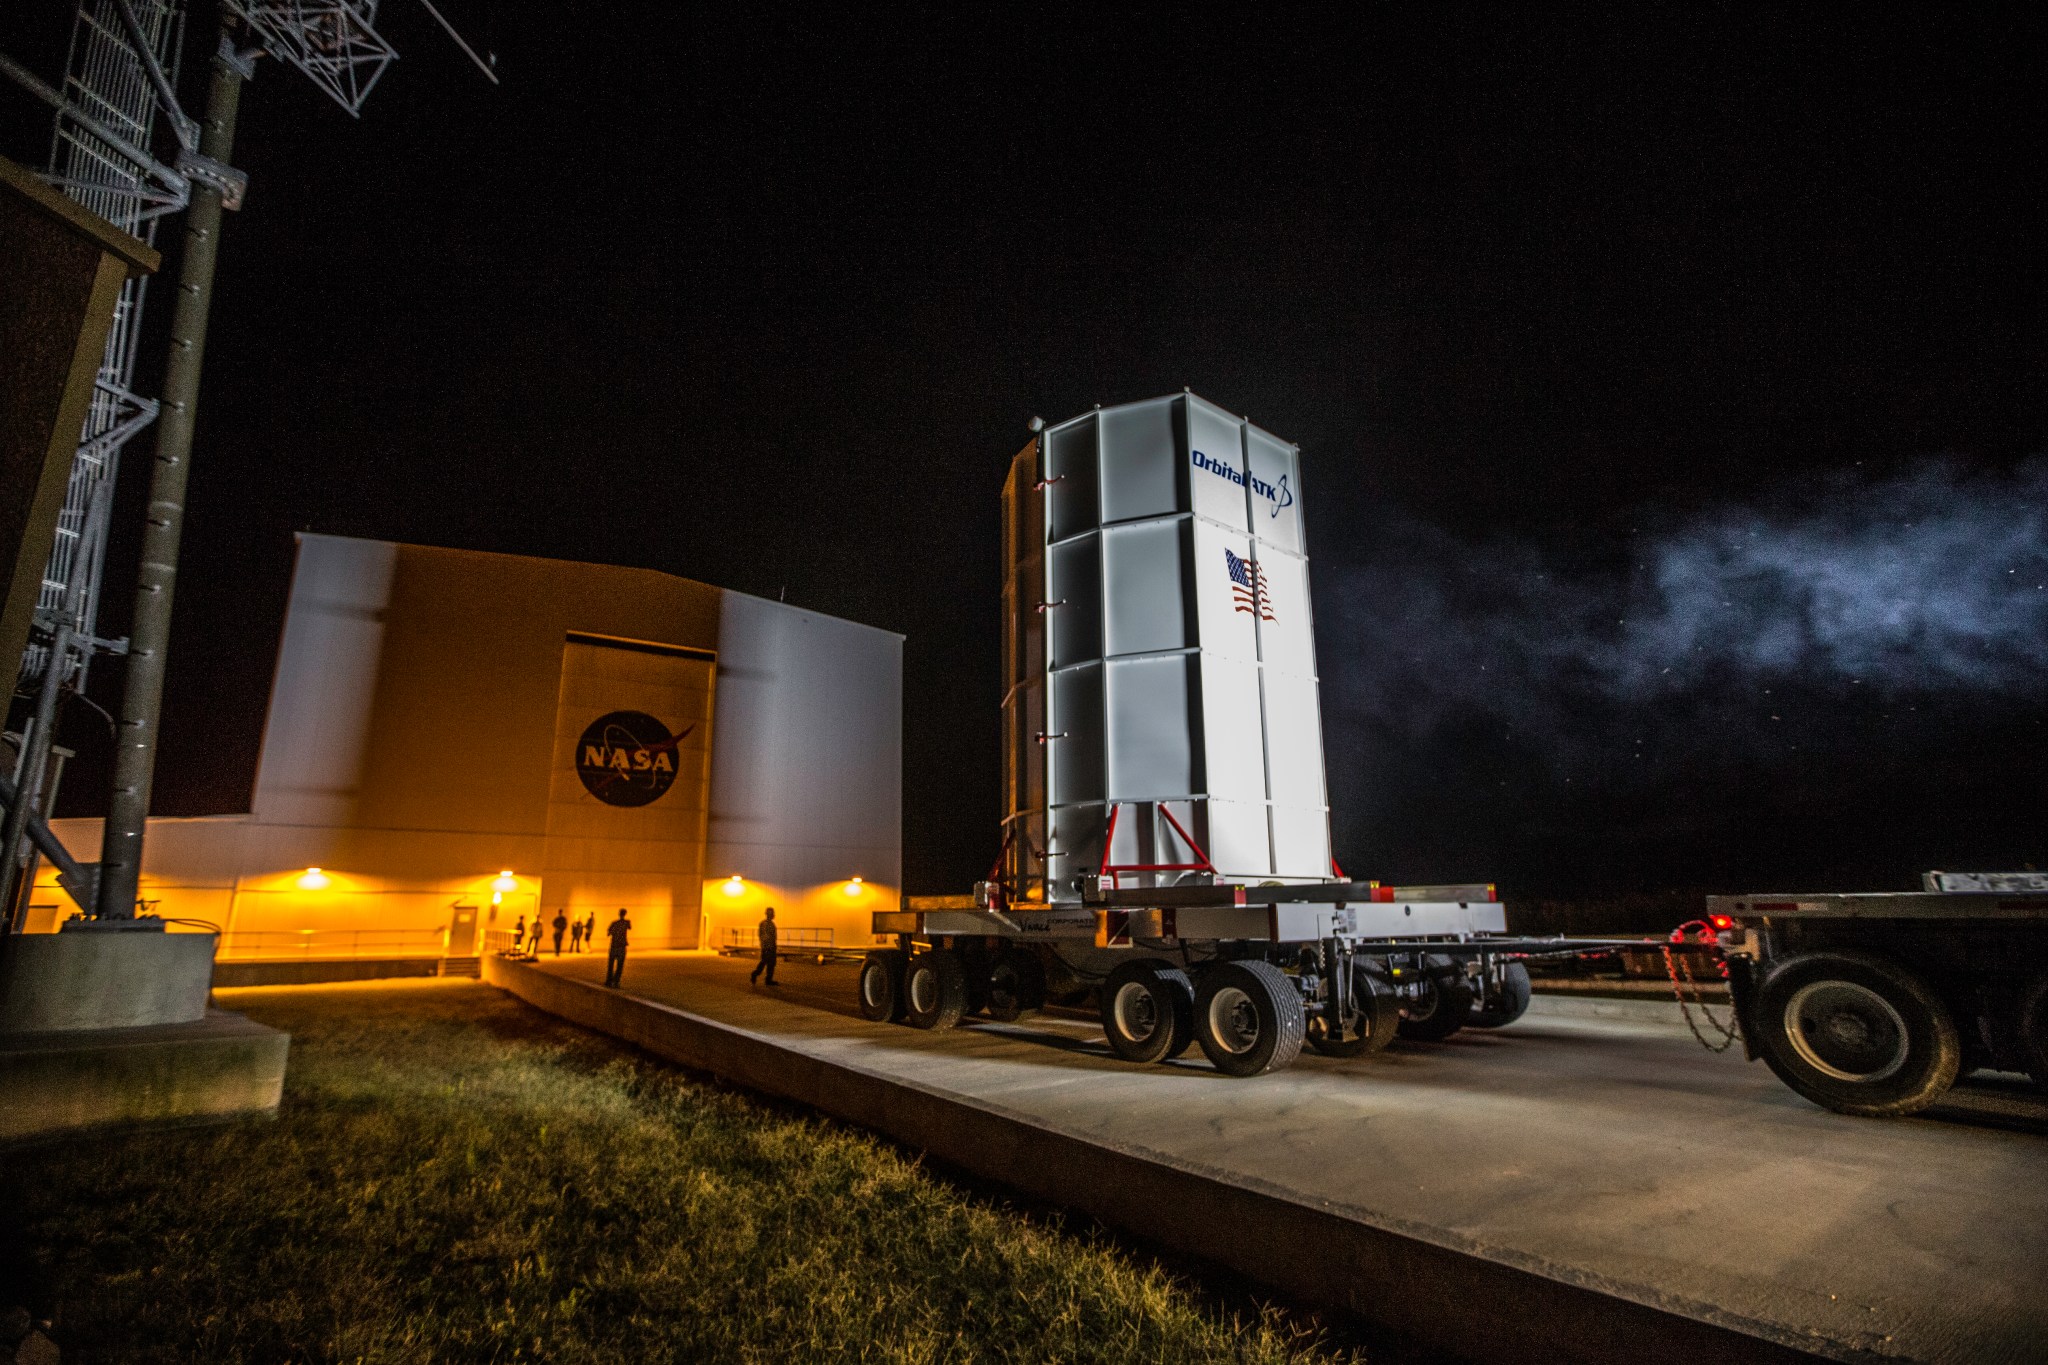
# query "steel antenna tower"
(117, 49)
(121, 72)
(118, 74)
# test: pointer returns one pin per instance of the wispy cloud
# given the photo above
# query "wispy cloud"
(1934, 581)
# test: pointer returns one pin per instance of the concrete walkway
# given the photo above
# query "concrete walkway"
(1567, 1186)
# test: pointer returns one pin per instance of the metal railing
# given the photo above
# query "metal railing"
(327, 945)
(790, 940)
(506, 942)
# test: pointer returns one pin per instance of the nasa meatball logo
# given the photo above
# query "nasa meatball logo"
(627, 758)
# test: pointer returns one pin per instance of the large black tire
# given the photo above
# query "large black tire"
(881, 986)
(1443, 1007)
(1016, 986)
(1147, 1011)
(1248, 1018)
(2031, 1030)
(1379, 1015)
(1511, 1003)
(1855, 1034)
(935, 989)
(975, 968)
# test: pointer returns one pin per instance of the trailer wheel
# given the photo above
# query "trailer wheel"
(881, 986)
(2032, 1030)
(1444, 1005)
(1147, 1011)
(1512, 1002)
(1248, 1018)
(935, 989)
(1379, 1014)
(1016, 987)
(1856, 1034)
(976, 968)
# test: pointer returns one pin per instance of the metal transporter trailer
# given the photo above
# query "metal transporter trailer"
(1873, 1004)
(1166, 838)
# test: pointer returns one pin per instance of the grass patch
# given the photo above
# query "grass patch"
(456, 1177)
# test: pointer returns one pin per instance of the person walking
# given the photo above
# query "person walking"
(766, 934)
(576, 935)
(615, 964)
(560, 925)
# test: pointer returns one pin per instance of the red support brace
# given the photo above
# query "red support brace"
(1113, 871)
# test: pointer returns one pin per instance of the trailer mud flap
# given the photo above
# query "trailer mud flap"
(1742, 994)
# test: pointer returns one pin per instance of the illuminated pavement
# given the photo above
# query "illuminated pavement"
(1615, 1155)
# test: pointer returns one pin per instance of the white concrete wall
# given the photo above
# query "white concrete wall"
(806, 769)
(322, 697)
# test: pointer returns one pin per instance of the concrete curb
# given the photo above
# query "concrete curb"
(1423, 1283)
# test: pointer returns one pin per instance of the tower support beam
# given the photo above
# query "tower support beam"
(156, 580)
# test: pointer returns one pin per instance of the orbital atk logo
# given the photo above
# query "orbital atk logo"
(627, 758)
(1279, 495)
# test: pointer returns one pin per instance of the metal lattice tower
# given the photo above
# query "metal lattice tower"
(121, 73)
(108, 80)
(333, 42)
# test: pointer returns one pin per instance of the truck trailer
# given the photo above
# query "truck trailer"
(1165, 840)
(1874, 1003)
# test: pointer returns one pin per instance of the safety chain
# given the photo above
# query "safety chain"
(1674, 966)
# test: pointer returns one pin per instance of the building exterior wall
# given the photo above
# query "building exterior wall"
(806, 771)
(415, 754)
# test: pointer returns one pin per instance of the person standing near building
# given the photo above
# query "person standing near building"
(766, 934)
(576, 935)
(561, 926)
(533, 937)
(519, 934)
(615, 964)
(590, 929)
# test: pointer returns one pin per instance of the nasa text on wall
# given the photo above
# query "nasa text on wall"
(628, 788)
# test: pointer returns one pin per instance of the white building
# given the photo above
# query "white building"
(457, 741)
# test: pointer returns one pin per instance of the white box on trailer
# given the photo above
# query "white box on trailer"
(1159, 655)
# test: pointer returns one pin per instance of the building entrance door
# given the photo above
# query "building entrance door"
(630, 791)
(462, 932)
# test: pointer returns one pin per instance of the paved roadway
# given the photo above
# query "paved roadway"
(1602, 1152)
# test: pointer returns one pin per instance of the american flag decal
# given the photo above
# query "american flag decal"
(1248, 587)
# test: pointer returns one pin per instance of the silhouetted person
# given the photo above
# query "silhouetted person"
(576, 935)
(533, 937)
(766, 934)
(519, 934)
(590, 929)
(615, 965)
(561, 927)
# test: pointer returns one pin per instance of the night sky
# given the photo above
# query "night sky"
(1670, 385)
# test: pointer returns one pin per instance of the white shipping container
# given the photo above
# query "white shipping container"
(1159, 655)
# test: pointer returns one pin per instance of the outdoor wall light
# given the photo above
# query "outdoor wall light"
(853, 886)
(505, 882)
(735, 885)
(313, 879)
